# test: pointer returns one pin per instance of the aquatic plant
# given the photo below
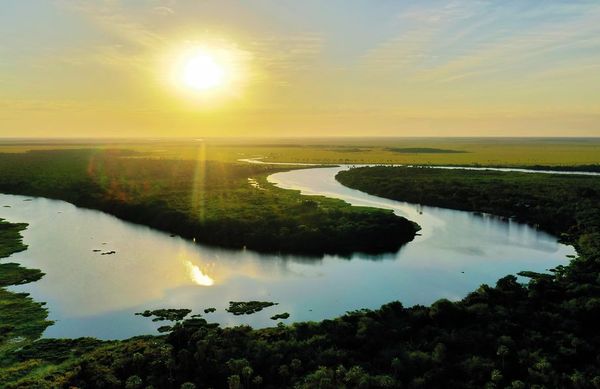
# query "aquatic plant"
(248, 307)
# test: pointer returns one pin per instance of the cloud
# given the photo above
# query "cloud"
(282, 58)
(464, 40)
(116, 21)
(451, 12)
(162, 10)
(423, 34)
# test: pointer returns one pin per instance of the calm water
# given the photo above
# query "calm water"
(90, 294)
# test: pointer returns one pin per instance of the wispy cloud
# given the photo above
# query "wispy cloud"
(114, 20)
(460, 41)
(422, 29)
(162, 10)
(292, 52)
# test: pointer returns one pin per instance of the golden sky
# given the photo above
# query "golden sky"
(301, 68)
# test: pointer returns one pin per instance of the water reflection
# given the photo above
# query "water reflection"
(198, 276)
(89, 294)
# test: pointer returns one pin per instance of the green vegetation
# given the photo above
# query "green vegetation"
(422, 150)
(21, 319)
(169, 314)
(248, 307)
(542, 334)
(10, 238)
(471, 151)
(15, 274)
(210, 310)
(525, 197)
(211, 202)
(579, 168)
(53, 363)
(284, 315)
(575, 152)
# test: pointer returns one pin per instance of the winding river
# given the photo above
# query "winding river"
(93, 292)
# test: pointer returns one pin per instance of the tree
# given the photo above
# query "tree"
(234, 382)
(133, 382)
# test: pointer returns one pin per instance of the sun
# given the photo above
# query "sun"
(206, 74)
(202, 71)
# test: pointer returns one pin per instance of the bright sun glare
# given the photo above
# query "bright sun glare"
(202, 72)
(207, 73)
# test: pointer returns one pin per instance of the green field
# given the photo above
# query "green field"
(428, 151)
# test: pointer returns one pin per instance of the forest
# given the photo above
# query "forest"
(541, 334)
(524, 197)
(218, 203)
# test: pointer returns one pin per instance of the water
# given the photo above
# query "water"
(90, 294)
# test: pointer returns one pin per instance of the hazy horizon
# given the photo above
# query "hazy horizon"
(283, 138)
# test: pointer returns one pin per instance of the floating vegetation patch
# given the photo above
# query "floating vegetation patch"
(284, 315)
(111, 252)
(194, 323)
(210, 310)
(248, 307)
(165, 314)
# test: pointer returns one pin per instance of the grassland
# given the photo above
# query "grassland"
(221, 203)
(421, 151)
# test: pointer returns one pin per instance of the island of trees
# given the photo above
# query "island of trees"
(208, 201)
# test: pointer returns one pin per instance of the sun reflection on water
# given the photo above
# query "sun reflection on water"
(198, 276)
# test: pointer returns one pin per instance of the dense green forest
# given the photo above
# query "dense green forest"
(212, 202)
(522, 196)
(539, 335)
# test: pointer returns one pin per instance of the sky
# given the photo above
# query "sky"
(300, 68)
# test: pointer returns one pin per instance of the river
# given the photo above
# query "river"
(91, 294)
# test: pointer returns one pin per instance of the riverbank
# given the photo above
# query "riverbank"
(22, 320)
